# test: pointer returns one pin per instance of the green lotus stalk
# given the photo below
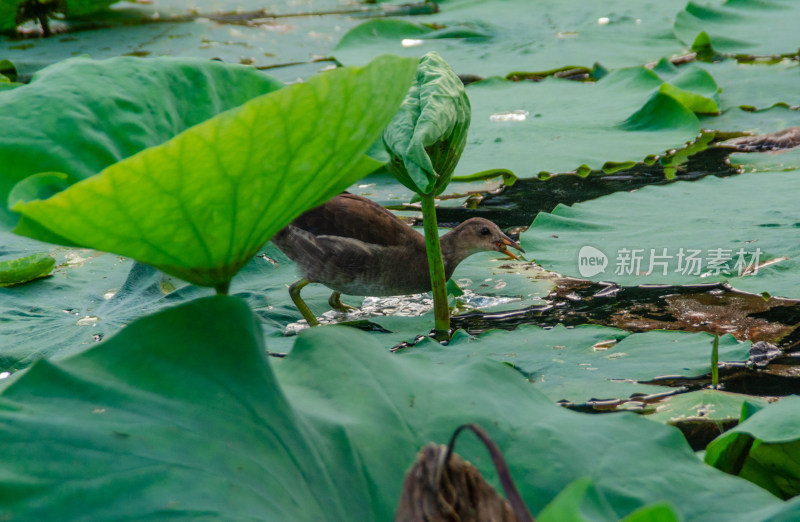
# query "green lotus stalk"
(425, 141)
(441, 310)
(715, 362)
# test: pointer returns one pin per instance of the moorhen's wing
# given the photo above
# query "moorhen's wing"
(351, 216)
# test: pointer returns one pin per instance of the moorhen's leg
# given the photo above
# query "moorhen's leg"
(335, 300)
(294, 293)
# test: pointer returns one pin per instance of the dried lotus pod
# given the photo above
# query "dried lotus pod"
(441, 486)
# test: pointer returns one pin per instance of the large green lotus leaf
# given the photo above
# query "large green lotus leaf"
(584, 363)
(766, 161)
(427, 135)
(702, 405)
(200, 205)
(581, 501)
(760, 122)
(764, 449)
(80, 116)
(692, 86)
(166, 405)
(654, 235)
(184, 398)
(738, 26)
(755, 86)
(557, 125)
(91, 296)
(499, 37)
(492, 277)
(88, 296)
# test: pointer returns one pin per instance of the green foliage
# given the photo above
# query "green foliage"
(24, 269)
(764, 448)
(581, 501)
(182, 414)
(38, 186)
(767, 161)
(754, 86)
(426, 137)
(326, 434)
(703, 406)
(738, 26)
(80, 116)
(692, 86)
(559, 125)
(8, 72)
(199, 206)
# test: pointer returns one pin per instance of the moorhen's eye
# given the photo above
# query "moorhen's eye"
(485, 231)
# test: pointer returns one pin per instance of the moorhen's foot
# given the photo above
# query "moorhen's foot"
(294, 293)
(335, 300)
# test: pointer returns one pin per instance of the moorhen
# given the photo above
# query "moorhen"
(354, 246)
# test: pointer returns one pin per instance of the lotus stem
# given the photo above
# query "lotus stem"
(222, 288)
(441, 311)
(715, 362)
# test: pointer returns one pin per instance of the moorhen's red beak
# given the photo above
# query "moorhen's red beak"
(507, 241)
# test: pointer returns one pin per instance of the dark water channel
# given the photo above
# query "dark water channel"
(518, 205)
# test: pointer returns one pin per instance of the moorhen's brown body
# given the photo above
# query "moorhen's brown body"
(355, 246)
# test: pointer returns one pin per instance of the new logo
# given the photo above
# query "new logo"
(591, 261)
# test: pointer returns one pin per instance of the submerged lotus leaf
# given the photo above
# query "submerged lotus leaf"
(588, 363)
(735, 119)
(200, 205)
(766, 161)
(755, 86)
(654, 235)
(80, 116)
(182, 397)
(702, 406)
(557, 126)
(427, 135)
(753, 27)
(764, 448)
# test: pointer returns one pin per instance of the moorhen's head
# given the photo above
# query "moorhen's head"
(481, 235)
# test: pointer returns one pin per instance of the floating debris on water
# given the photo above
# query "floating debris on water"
(411, 42)
(88, 320)
(517, 115)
